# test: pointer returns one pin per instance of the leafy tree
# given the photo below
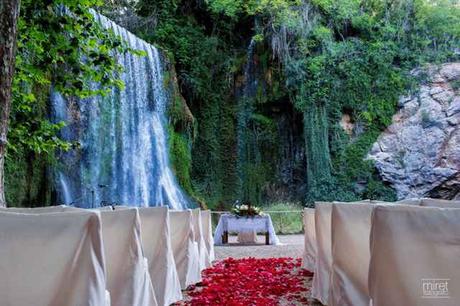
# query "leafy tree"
(9, 11)
(60, 46)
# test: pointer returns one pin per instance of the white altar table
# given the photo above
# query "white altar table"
(229, 223)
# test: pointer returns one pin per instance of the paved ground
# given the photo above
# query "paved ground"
(292, 246)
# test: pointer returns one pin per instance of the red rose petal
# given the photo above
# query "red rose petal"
(252, 282)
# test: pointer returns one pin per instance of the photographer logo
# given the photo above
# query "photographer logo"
(436, 288)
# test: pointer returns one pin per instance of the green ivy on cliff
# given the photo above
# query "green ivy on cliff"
(204, 62)
(350, 57)
(327, 58)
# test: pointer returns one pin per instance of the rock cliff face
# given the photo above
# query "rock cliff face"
(419, 153)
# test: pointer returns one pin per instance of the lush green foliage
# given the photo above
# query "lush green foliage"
(336, 57)
(316, 60)
(356, 58)
(351, 57)
(286, 217)
(60, 45)
(181, 159)
(204, 65)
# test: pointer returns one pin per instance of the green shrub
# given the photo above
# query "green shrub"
(286, 217)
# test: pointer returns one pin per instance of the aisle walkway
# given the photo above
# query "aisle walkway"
(252, 281)
(292, 246)
(253, 275)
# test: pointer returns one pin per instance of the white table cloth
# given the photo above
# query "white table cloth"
(233, 224)
(415, 256)
(247, 237)
(51, 259)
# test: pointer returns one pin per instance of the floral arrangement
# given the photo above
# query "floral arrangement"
(246, 210)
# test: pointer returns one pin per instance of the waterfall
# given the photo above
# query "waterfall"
(124, 155)
(250, 80)
(59, 114)
(245, 112)
(66, 196)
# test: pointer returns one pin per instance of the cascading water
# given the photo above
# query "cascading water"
(66, 196)
(123, 155)
(59, 114)
(245, 112)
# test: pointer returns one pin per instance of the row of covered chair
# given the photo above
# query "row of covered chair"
(110, 256)
(384, 254)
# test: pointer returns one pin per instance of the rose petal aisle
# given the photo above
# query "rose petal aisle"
(252, 281)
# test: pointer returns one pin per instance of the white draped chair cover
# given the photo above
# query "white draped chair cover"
(41, 210)
(415, 255)
(128, 279)
(439, 203)
(156, 241)
(309, 253)
(51, 259)
(351, 226)
(410, 201)
(207, 234)
(185, 249)
(199, 239)
(321, 284)
(107, 208)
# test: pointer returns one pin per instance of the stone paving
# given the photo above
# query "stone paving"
(292, 246)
